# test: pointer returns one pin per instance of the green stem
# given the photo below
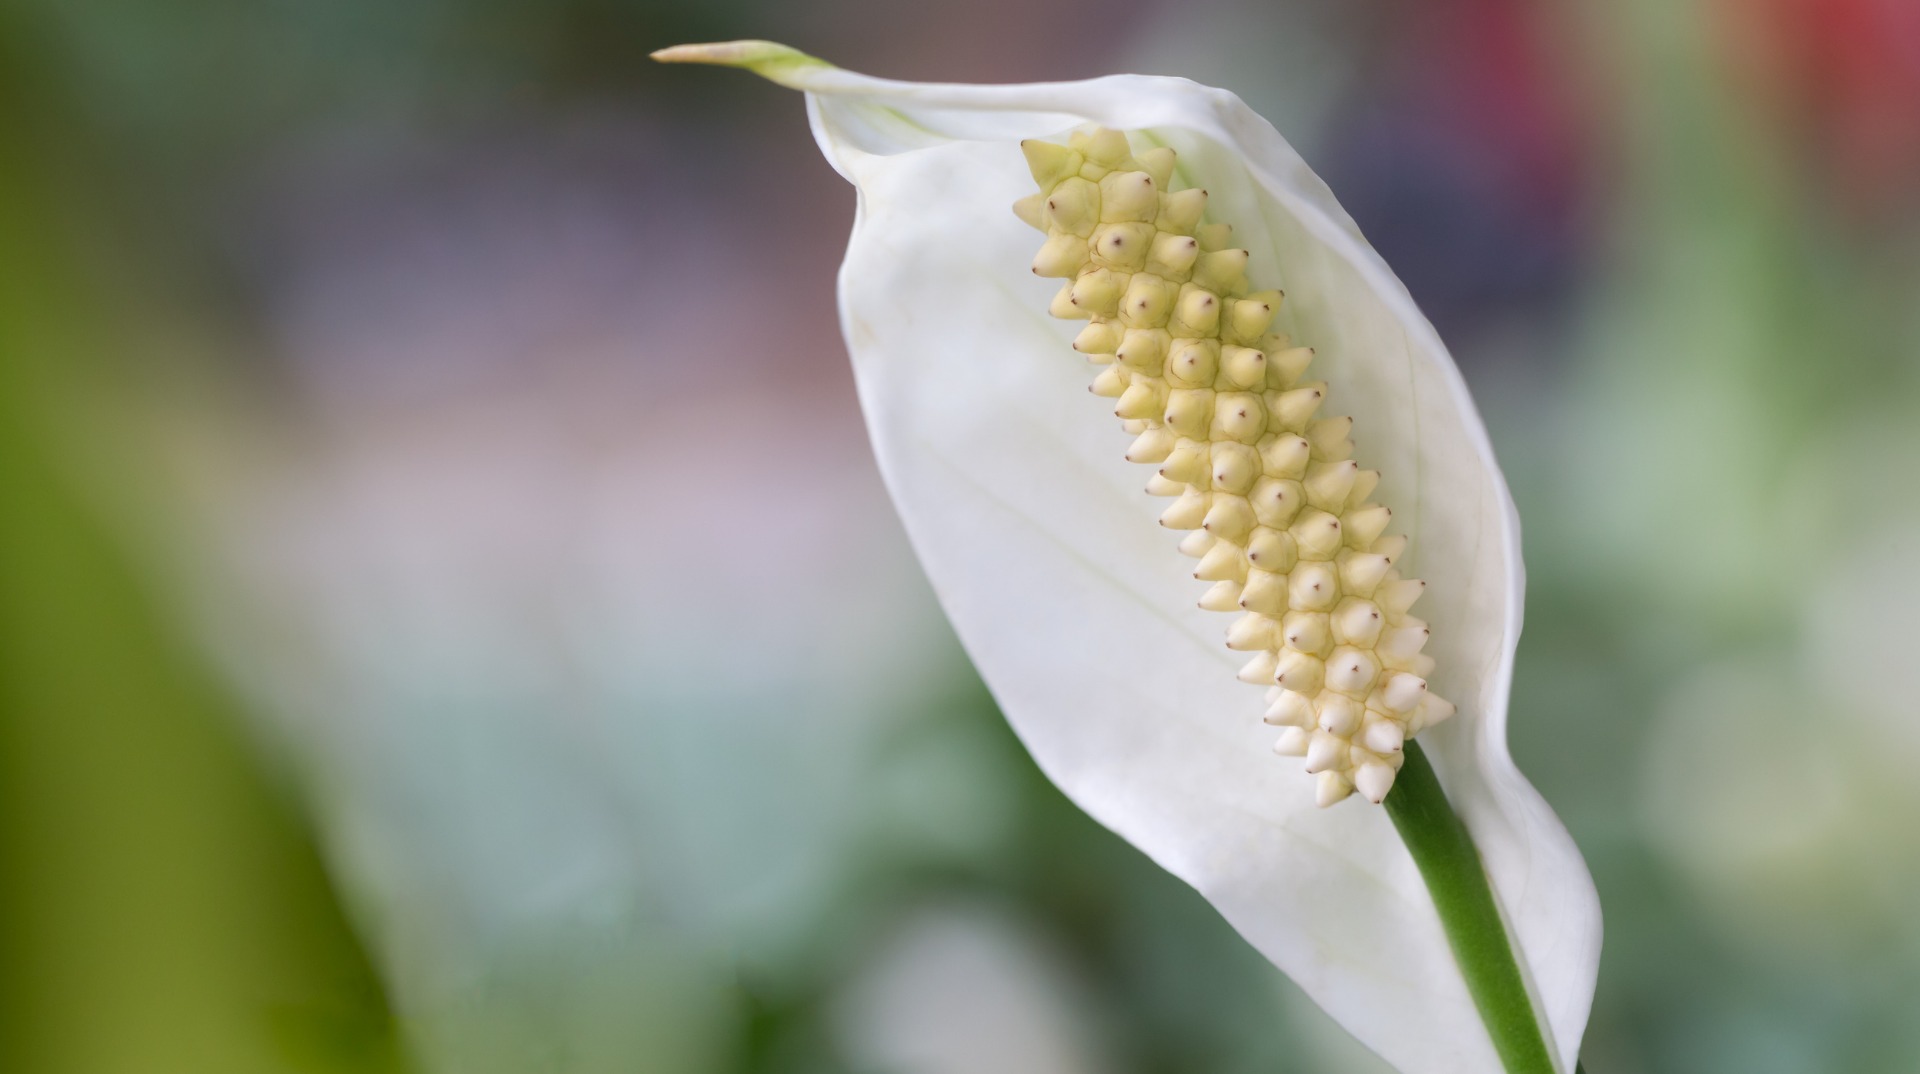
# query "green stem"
(1451, 867)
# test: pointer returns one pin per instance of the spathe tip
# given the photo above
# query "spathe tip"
(768, 59)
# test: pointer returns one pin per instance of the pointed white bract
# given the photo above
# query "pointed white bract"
(1079, 611)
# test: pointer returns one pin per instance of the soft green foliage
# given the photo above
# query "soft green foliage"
(166, 909)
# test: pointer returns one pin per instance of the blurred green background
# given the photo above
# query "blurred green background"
(400, 672)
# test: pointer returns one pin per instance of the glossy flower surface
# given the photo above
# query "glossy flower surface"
(1079, 611)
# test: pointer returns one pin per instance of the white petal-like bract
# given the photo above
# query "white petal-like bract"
(1079, 611)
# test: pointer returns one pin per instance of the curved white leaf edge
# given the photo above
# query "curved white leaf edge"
(1075, 606)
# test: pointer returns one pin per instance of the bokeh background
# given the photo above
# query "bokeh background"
(450, 621)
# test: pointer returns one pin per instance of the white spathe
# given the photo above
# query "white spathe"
(1076, 607)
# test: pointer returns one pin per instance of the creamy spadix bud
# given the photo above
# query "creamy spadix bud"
(1290, 710)
(1223, 597)
(1196, 544)
(1157, 485)
(1279, 511)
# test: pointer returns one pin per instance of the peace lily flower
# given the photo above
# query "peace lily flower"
(1236, 332)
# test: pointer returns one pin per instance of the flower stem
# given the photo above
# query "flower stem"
(1450, 865)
